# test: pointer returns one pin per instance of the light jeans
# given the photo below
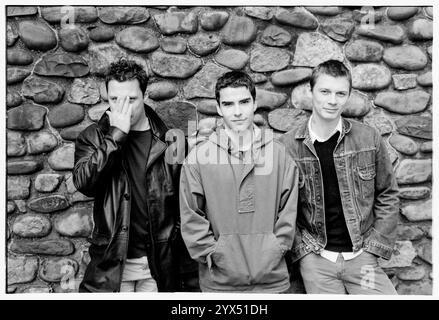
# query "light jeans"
(360, 275)
(144, 285)
(136, 276)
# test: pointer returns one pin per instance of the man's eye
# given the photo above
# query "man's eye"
(324, 91)
(113, 99)
(341, 94)
(132, 99)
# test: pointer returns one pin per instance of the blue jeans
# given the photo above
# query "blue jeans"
(360, 275)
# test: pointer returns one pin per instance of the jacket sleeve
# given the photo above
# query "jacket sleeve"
(381, 239)
(92, 160)
(285, 225)
(195, 228)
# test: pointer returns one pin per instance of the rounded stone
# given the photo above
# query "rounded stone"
(358, 105)
(56, 247)
(313, 48)
(425, 252)
(102, 55)
(290, 76)
(18, 187)
(62, 158)
(202, 85)
(47, 182)
(63, 65)
(207, 106)
(263, 13)
(162, 90)
(84, 91)
(406, 57)
(297, 17)
(238, 31)
(71, 133)
(26, 117)
(11, 206)
(364, 51)
(339, 29)
(174, 66)
(176, 22)
(19, 57)
(412, 171)
(71, 15)
(36, 35)
(270, 100)
(41, 142)
(18, 11)
(232, 58)
(403, 256)
(370, 76)
(324, 11)
(412, 274)
(97, 111)
(401, 13)
(66, 114)
(16, 144)
(414, 193)
(259, 120)
(137, 39)
(426, 79)
(404, 144)
(404, 81)
(13, 99)
(389, 33)
(73, 38)
(42, 91)
(275, 36)
(178, 114)
(258, 78)
(55, 270)
(212, 21)
(31, 226)
(22, 269)
(301, 96)
(203, 44)
(15, 75)
(173, 45)
(101, 34)
(420, 30)
(21, 204)
(409, 232)
(11, 35)
(17, 167)
(415, 126)
(48, 204)
(285, 119)
(427, 147)
(406, 102)
(266, 59)
(123, 15)
(418, 211)
(429, 12)
(76, 222)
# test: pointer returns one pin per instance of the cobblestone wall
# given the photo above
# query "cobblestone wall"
(56, 58)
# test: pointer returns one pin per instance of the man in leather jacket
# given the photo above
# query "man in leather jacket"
(348, 196)
(136, 243)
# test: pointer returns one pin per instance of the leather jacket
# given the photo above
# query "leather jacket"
(368, 189)
(99, 172)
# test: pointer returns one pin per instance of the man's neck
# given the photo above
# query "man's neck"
(323, 128)
(241, 141)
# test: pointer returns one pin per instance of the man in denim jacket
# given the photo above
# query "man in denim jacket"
(348, 196)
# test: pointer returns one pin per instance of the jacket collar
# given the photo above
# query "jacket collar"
(303, 131)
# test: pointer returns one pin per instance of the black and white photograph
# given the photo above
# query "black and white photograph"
(283, 150)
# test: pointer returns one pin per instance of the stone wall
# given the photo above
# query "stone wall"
(56, 59)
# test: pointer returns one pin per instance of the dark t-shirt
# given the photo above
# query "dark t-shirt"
(337, 232)
(136, 151)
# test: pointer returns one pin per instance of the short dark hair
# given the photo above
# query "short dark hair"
(332, 68)
(235, 79)
(126, 70)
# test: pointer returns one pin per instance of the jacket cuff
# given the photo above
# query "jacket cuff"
(117, 135)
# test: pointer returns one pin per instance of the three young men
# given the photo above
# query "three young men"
(348, 196)
(238, 198)
(136, 243)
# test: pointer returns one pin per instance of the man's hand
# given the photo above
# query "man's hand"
(120, 115)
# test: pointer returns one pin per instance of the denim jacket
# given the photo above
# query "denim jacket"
(368, 190)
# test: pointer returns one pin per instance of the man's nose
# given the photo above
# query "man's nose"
(237, 110)
(333, 99)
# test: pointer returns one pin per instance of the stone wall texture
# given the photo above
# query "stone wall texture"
(56, 59)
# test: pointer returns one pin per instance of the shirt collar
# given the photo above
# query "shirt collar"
(315, 137)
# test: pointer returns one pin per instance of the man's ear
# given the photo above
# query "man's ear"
(218, 110)
(255, 106)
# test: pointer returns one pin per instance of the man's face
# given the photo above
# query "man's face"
(130, 88)
(329, 96)
(237, 108)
